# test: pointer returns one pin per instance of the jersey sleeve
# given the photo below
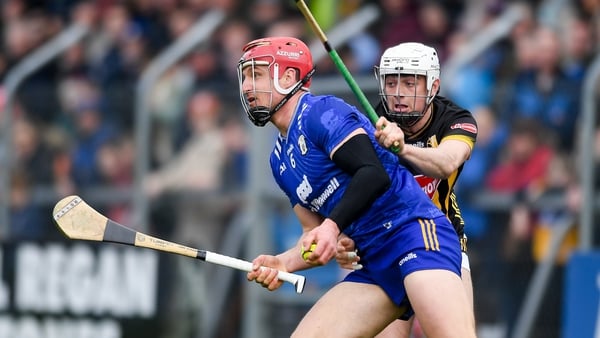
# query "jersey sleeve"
(462, 127)
(330, 122)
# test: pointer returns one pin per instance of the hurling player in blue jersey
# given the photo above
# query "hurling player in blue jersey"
(340, 180)
(434, 137)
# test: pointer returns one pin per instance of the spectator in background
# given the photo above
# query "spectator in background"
(73, 92)
(201, 68)
(544, 92)
(31, 154)
(474, 83)
(73, 63)
(483, 236)
(168, 99)
(359, 53)
(295, 27)
(200, 168)
(490, 139)
(559, 179)
(261, 13)
(200, 163)
(521, 172)
(27, 221)
(62, 182)
(364, 52)
(230, 7)
(92, 132)
(207, 69)
(152, 17)
(167, 107)
(22, 35)
(179, 21)
(524, 160)
(578, 51)
(115, 168)
(399, 23)
(121, 59)
(230, 39)
(435, 26)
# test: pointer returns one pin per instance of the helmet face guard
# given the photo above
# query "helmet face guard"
(413, 60)
(277, 55)
(404, 119)
(258, 115)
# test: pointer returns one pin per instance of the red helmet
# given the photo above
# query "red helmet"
(280, 53)
(277, 54)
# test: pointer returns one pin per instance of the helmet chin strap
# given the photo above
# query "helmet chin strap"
(260, 115)
(406, 121)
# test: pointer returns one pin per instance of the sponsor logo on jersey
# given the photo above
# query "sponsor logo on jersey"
(411, 255)
(302, 145)
(318, 202)
(428, 184)
(468, 127)
(304, 189)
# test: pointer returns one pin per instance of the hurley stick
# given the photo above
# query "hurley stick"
(77, 220)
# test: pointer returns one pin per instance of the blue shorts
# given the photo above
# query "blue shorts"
(419, 245)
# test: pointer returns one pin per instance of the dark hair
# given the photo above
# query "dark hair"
(527, 126)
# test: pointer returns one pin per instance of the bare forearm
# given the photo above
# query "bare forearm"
(292, 258)
(435, 162)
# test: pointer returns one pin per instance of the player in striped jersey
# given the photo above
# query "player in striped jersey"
(435, 138)
(340, 180)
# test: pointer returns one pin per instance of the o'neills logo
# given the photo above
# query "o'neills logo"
(407, 258)
(318, 202)
(288, 54)
(428, 184)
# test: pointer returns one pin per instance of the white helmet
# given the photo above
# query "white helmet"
(409, 58)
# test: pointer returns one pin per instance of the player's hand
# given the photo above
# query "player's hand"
(389, 135)
(264, 271)
(325, 237)
(346, 255)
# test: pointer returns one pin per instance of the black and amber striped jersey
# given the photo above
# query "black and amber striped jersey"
(447, 121)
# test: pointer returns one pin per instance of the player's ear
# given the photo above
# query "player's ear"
(290, 76)
(435, 86)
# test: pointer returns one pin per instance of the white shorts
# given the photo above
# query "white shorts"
(464, 264)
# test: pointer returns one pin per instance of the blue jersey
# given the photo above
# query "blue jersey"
(304, 171)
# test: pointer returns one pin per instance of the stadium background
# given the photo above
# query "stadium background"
(134, 106)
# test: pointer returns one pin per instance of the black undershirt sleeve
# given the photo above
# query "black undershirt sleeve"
(369, 180)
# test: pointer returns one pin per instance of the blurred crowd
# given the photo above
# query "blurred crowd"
(74, 118)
